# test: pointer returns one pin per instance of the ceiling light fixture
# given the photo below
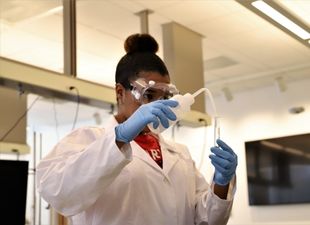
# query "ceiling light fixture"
(280, 83)
(227, 93)
(280, 17)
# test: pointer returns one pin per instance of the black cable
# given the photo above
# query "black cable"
(55, 118)
(19, 119)
(112, 109)
(176, 125)
(77, 105)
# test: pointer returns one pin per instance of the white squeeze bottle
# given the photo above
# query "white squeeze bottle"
(185, 102)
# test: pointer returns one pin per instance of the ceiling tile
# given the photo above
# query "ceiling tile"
(189, 12)
(107, 17)
(224, 26)
(158, 5)
(224, 74)
(214, 48)
(15, 11)
(128, 5)
(269, 46)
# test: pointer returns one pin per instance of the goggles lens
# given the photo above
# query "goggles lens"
(145, 92)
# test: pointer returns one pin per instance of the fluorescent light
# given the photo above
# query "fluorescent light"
(294, 151)
(42, 15)
(281, 19)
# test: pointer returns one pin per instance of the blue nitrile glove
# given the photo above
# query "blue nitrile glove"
(225, 162)
(152, 112)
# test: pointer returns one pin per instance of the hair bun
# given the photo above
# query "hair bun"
(140, 43)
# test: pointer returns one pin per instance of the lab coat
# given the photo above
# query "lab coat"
(87, 178)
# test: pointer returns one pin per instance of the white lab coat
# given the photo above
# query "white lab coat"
(88, 179)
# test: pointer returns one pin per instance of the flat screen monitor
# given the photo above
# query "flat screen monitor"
(278, 170)
(13, 191)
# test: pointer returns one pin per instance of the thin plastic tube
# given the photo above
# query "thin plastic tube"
(216, 121)
(217, 130)
(210, 97)
(216, 117)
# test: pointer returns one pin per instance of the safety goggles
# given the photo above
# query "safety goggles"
(147, 91)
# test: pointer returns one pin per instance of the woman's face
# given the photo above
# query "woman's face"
(127, 104)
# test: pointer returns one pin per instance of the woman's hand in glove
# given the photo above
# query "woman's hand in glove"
(225, 162)
(154, 112)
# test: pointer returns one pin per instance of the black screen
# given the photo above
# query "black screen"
(13, 191)
(278, 170)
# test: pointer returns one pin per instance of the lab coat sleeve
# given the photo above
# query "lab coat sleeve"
(77, 171)
(210, 209)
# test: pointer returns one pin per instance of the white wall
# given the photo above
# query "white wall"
(252, 115)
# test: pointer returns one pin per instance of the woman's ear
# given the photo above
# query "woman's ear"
(120, 93)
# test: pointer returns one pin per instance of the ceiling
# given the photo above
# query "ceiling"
(241, 51)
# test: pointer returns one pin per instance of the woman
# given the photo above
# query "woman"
(125, 174)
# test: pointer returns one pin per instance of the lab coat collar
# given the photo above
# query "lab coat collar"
(169, 160)
(169, 145)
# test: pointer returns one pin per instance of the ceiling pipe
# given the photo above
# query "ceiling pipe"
(69, 32)
(144, 20)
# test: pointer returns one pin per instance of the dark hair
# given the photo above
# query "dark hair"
(141, 56)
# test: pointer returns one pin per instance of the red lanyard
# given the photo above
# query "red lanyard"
(151, 145)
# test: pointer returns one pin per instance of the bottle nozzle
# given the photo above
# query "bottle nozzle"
(210, 96)
(199, 92)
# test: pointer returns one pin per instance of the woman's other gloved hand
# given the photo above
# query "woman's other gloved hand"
(225, 162)
(154, 112)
